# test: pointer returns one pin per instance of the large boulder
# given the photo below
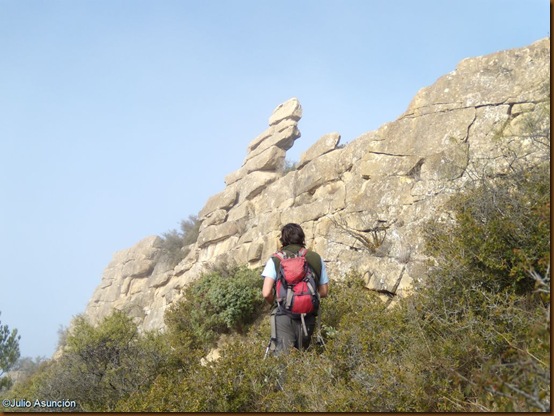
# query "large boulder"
(290, 109)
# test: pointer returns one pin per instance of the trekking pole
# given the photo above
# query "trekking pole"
(319, 338)
(273, 336)
(267, 349)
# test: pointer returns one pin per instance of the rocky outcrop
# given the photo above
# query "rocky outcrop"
(362, 205)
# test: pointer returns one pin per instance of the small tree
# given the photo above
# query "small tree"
(176, 244)
(9, 353)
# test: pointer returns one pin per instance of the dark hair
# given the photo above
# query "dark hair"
(292, 234)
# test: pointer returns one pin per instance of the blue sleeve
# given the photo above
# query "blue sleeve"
(324, 278)
(269, 270)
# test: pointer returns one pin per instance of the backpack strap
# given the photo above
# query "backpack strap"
(279, 254)
(277, 257)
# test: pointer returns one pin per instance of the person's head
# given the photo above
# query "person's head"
(292, 234)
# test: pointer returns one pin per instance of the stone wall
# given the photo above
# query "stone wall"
(362, 205)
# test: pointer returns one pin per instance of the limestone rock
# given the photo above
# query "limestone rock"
(378, 165)
(266, 153)
(271, 130)
(384, 185)
(326, 168)
(424, 135)
(223, 200)
(253, 184)
(271, 160)
(290, 109)
(214, 218)
(255, 252)
(324, 145)
(278, 195)
(123, 277)
(283, 139)
(488, 80)
(215, 233)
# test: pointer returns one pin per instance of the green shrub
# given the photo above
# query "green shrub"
(175, 244)
(502, 232)
(216, 303)
(9, 353)
(289, 166)
(481, 302)
(100, 366)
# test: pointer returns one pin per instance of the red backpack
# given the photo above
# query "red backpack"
(296, 288)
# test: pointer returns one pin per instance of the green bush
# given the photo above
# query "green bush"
(481, 300)
(100, 366)
(502, 232)
(216, 303)
(175, 244)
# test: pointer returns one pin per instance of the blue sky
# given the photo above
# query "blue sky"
(120, 118)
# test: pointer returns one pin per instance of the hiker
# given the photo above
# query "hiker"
(293, 319)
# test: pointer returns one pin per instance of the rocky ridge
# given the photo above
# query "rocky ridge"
(362, 205)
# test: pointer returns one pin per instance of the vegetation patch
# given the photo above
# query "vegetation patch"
(176, 243)
(220, 302)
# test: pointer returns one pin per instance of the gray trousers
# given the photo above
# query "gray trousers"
(288, 332)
